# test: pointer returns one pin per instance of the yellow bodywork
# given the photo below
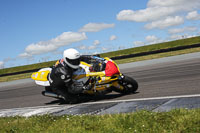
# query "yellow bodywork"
(41, 76)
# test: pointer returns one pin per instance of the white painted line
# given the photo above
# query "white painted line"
(35, 112)
(36, 107)
(144, 99)
(42, 109)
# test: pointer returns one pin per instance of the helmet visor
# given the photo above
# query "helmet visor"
(75, 62)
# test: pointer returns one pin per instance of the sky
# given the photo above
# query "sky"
(33, 31)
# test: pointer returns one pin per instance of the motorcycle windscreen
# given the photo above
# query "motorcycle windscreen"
(79, 74)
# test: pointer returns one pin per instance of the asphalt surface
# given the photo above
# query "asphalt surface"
(172, 76)
(158, 104)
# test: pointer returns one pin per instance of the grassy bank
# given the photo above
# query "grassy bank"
(165, 45)
(156, 56)
(180, 120)
(149, 57)
(26, 67)
(15, 77)
(171, 44)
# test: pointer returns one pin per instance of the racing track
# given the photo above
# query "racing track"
(172, 76)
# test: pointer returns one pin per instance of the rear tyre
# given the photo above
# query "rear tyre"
(130, 85)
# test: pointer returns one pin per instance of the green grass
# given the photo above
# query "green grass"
(160, 55)
(176, 121)
(15, 77)
(26, 67)
(164, 45)
(172, 44)
(149, 57)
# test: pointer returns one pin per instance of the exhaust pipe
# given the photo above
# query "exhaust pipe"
(51, 94)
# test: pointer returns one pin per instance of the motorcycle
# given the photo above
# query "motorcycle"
(101, 84)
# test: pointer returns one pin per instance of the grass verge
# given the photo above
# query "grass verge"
(156, 56)
(26, 67)
(178, 120)
(164, 45)
(15, 77)
(182, 42)
(134, 59)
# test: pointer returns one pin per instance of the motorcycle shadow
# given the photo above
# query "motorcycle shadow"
(85, 99)
(110, 96)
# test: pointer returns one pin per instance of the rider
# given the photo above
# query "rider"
(61, 74)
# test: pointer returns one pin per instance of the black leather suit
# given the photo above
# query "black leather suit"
(61, 77)
(61, 74)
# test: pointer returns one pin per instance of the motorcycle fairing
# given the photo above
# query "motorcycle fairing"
(80, 75)
(40, 77)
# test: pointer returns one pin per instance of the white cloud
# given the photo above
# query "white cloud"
(24, 55)
(68, 38)
(167, 22)
(121, 47)
(8, 59)
(157, 9)
(57, 52)
(95, 27)
(176, 37)
(190, 36)
(82, 47)
(39, 48)
(42, 47)
(152, 39)
(193, 15)
(45, 59)
(181, 30)
(92, 47)
(113, 37)
(1, 64)
(104, 48)
(148, 14)
(96, 42)
(95, 53)
(154, 3)
(138, 43)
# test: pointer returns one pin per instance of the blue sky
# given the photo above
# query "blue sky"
(33, 31)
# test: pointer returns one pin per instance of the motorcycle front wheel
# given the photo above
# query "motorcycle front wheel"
(130, 85)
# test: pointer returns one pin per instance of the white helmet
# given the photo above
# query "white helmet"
(72, 58)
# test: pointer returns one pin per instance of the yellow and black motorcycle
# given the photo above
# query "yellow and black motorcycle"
(100, 83)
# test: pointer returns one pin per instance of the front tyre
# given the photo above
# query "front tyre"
(130, 85)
